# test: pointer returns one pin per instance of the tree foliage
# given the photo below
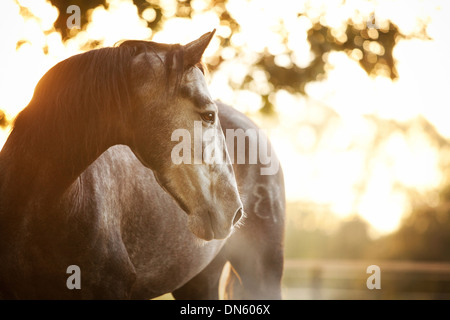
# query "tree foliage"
(423, 235)
(372, 47)
(3, 121)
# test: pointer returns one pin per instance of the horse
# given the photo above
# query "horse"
(87, 180)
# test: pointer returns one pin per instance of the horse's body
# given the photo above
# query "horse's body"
(129, 236)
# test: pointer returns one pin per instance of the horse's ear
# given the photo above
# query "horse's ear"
(193, 51)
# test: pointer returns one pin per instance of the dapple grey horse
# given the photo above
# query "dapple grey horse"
(87, 179)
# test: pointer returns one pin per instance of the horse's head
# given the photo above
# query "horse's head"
(173, 111)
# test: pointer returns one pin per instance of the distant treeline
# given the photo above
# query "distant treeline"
(424, 235)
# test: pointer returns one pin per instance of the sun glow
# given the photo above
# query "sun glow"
(325, 147)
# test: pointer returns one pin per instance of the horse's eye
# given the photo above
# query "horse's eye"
(208, 116)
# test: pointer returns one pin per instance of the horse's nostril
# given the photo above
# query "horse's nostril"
(237, 216)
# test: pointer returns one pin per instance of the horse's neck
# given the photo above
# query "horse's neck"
(37, 174)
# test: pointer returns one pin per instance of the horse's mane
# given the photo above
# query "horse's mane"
(79, 90)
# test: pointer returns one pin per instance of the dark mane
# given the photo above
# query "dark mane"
(86, 88)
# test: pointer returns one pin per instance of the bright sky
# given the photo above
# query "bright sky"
(324, 141)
